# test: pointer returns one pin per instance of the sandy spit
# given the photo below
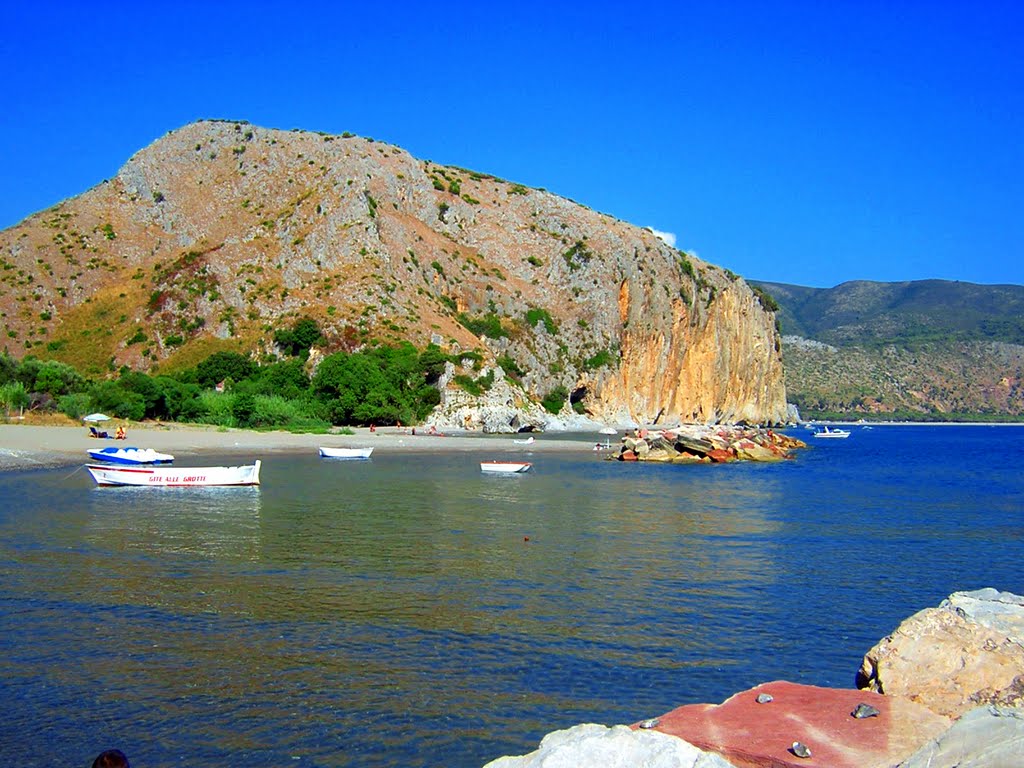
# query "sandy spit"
(24, 446)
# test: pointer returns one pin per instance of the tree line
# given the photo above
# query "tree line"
(378, 385)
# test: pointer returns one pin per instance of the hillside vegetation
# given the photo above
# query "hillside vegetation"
(922, 350)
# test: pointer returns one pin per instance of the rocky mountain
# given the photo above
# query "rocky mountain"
(222, 232)
(929, 349)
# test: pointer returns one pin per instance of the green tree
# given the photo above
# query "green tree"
(555, 399)
(14, 395)
(110, 397)
(224, 365)
(243, 410)
(8, 368)
(287, 379)
(57, 379)
(380, 385)
(432, 362)
(297, 341)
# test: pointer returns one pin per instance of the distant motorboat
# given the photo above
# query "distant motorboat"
(607, 431)
(345, 453)
(833, 433)
(130, 455)
(505, 467)
(527, 441)
(162, 477)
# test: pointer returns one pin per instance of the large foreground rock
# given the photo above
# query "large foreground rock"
(618, 747)
(967, 652)
(760, 735)
(986, 737)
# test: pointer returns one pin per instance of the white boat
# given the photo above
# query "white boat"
(833, 433)
(527, 441)
(109, 474)
(129, 455)
(505, 467)
(607, 431)
(345, 453)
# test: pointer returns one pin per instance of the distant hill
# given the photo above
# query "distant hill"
(928, 349)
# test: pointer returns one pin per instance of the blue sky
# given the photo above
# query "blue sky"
(808, 143)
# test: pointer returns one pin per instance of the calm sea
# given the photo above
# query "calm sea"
(409, 611)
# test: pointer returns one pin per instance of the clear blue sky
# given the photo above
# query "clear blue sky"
(808, 143)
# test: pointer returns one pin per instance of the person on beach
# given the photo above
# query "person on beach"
(121, 433)
(111, 758)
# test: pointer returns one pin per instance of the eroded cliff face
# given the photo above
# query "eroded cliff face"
(721, 364)
(219, 233)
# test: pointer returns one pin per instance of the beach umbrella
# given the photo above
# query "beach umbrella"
(96, 417)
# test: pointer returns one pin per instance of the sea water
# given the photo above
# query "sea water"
(411, 611)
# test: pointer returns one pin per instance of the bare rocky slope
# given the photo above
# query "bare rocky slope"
(221, 232)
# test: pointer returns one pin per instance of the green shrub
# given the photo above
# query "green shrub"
(488, 325)
(578, 255)
(509, 366)
(599, 360)
(766, 299)
(555, 399)
(685, 266)
(536, 315)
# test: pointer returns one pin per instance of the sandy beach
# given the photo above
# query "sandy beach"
(23, 446)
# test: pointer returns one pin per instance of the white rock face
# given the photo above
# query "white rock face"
(966, 652)
(597, 746)
(986, 737)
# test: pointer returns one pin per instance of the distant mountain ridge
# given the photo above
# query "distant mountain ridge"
(928, 349)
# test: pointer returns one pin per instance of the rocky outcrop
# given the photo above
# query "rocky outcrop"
(616, 747)
(694, 444)
(967, 652)
(757, 728)
(503, 408)
(222, 232)
(986, 737)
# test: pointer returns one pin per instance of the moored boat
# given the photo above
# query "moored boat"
(130, 455)
(834, 433)
(345, 453)
(108, 474)
(505, 467)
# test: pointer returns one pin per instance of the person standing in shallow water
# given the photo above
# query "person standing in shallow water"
(112, 758)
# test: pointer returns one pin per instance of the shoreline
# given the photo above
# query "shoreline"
(30, 446)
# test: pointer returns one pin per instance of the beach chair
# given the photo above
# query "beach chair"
(93, 432)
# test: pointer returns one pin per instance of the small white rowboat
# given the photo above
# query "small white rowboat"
(505, 467)
(107, 474)
(345, 453)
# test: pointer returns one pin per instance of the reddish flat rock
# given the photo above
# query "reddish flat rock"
(752, 735)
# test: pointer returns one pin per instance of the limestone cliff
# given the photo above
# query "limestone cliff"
(221, 232)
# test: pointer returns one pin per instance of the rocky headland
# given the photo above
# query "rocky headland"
(944, 690)
(221, 233)
(704, 444)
